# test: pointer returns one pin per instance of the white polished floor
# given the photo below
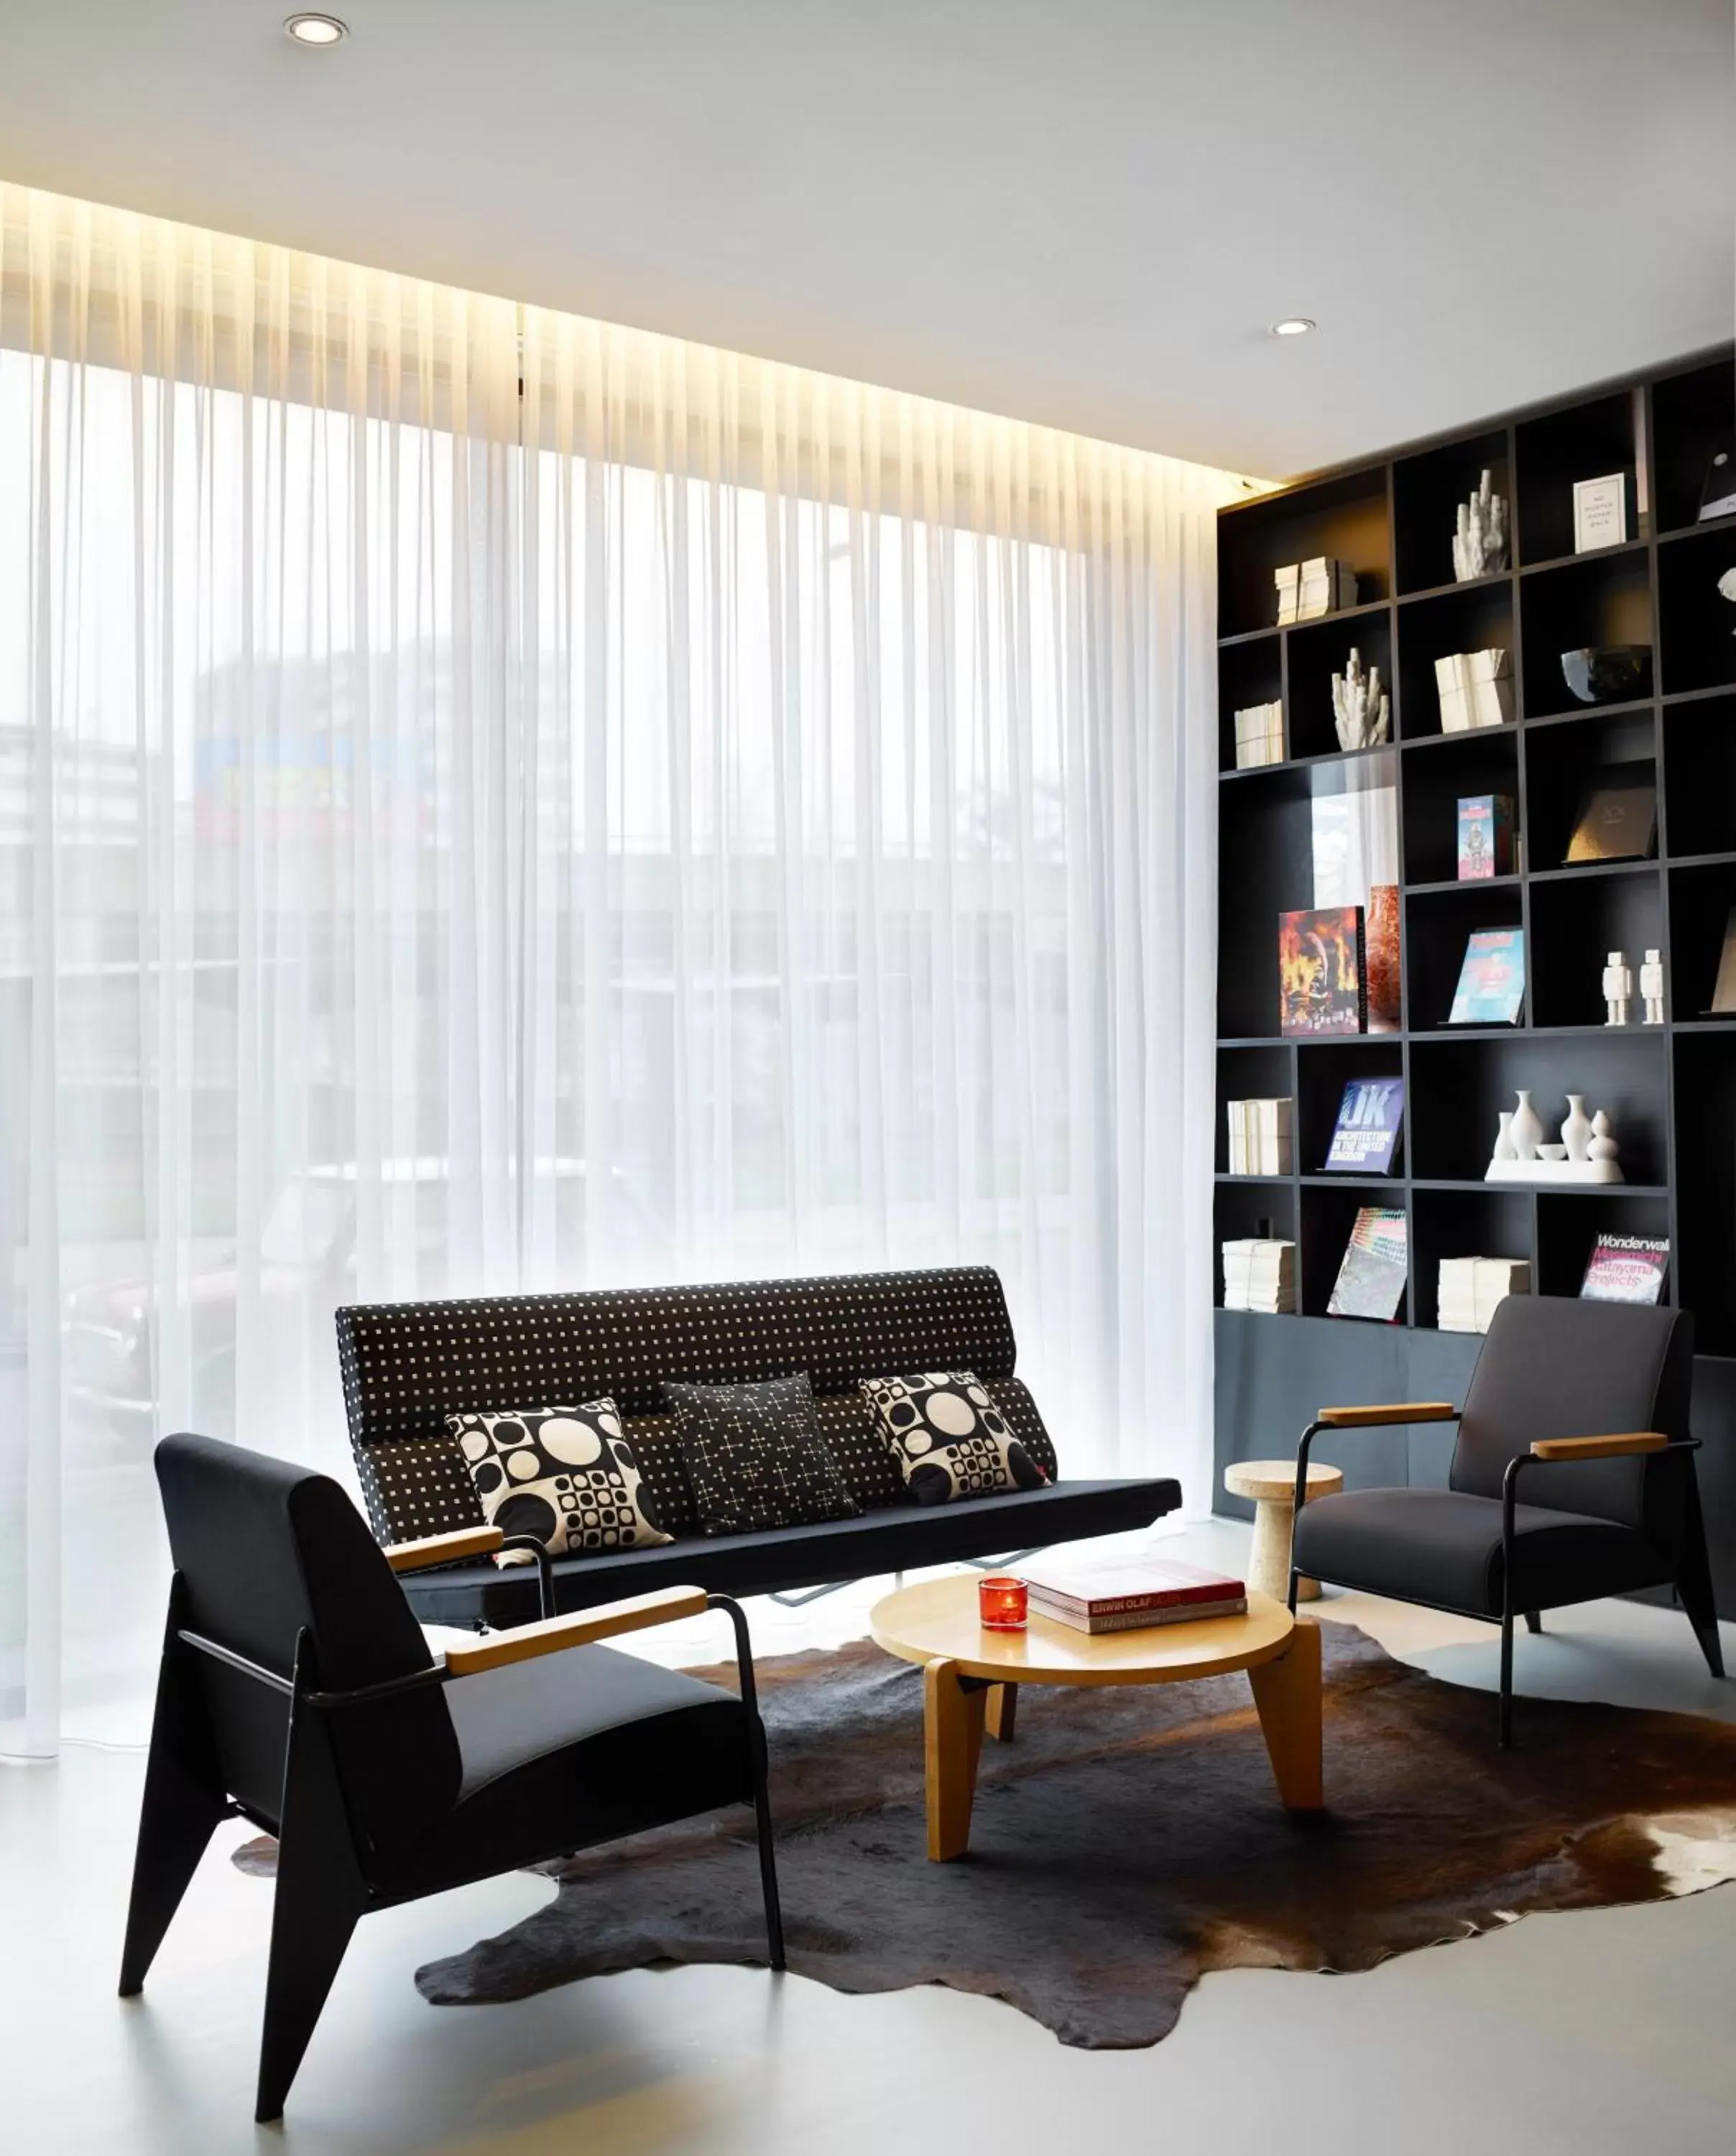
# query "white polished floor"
(1580, 2034)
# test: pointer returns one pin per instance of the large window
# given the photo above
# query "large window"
(724, 822)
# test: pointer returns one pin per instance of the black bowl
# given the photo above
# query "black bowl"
(1608, 673)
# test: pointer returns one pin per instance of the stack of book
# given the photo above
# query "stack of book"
(1096, 1594)
(1260, 1275)
(1476, 690)
(1471, 1287)
(1259, 1137)
(1309, 589)
(1259, 735)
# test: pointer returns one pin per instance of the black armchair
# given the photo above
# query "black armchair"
(297, 1692)
(1581, 1409)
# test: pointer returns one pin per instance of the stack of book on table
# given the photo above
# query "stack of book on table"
(1471, 1287)
(1260, 1275)
(1097, 1594)
(1259, 1132)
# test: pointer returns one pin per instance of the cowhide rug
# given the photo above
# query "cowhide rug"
(1128, 1840)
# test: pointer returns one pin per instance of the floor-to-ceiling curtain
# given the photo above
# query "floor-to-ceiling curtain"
(493, 801)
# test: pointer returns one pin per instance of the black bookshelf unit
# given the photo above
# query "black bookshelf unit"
(1670, 1088)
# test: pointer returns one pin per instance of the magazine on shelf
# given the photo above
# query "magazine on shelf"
(1370, 1281)
(1618, 817)
(1486, 827)
(1366, 1135)
(1492, 980)
(1627, 1269)
(1323, 983)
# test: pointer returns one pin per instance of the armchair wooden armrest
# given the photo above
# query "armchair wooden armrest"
(1367, 1418)
(551, 1635)
(443, 1549)
(1600, 1448)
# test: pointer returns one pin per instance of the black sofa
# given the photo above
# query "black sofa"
(407, 1366)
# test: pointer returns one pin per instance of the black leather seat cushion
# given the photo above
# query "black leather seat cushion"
(1443, 1548)
(574, 1748)
(895, 1539)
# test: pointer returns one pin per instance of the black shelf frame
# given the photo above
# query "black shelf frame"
(1672, 1088)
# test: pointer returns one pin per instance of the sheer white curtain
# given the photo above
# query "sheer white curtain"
(489, 800)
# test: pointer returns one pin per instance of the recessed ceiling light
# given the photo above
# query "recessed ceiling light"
(316, 30)
(1292, 326)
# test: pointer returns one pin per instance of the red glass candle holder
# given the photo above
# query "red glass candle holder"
(1002, 1600)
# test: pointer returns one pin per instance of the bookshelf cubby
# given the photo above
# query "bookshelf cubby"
(1670, 1088)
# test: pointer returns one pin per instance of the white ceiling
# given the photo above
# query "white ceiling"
(1083, 213)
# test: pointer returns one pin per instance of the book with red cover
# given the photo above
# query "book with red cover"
(1322, 983)
(1133, 1620)
(1103, 1586)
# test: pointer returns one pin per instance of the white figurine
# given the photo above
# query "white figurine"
(1479, 544)
(1652, 987)
(1359, 709)
(1618, 988)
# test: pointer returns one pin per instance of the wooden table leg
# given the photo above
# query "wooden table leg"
(1287, 1692)
(1003, 1711)
(953, 1710)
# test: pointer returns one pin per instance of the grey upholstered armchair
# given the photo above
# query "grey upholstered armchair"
(297, 1692)
(1573, 1476)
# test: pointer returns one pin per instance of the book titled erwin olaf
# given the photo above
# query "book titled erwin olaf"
(1099, 1594)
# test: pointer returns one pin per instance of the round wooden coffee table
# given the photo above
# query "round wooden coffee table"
(970, 1677)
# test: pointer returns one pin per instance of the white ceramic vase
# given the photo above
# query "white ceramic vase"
(1525, 1130)
(1603, 1145)
(1576, 1131)
(1503, 1136)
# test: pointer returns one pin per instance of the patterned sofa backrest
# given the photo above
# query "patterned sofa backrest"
(407, 1366)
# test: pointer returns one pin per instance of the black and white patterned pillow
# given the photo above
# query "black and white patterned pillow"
(564, 1475)
(949, 1437)
(755, 1457)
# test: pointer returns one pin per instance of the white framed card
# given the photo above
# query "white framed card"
(1600, 512)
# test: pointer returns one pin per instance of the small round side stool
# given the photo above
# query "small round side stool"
(1271, 1485)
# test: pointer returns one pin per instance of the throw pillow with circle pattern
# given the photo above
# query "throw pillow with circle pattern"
(565, 1475)
(949, 1439)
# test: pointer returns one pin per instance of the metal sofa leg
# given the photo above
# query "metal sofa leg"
(1504, 1723)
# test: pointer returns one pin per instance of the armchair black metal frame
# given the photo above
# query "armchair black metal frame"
(234, 1737)
(1665, 1526)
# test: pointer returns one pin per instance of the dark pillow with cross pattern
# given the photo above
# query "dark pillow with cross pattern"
(755, 1457)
